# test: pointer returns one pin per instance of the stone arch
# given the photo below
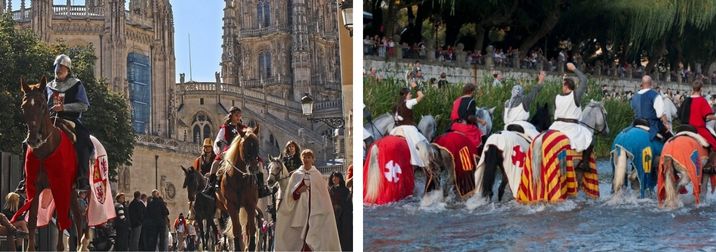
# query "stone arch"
(201, 127)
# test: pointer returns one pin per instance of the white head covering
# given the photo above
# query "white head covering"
(516, 97)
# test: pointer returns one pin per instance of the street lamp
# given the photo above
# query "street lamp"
(347, 12)
(156, 172)
(307, 108)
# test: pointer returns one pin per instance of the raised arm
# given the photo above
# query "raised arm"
(581, 86)
(533, 92)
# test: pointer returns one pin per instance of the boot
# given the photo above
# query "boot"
(210, 187)
(263, 189)
(83, 157)
(584, 163)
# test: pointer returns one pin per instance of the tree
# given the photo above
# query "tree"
(23, 55)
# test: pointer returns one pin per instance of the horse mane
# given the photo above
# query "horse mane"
(231, 154)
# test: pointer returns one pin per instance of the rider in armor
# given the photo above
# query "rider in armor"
(231, 128)
(567, 113)
(405, 124)
(463, 116)
(203, 162)
(648, 107)
(518, 106)
(67, 99)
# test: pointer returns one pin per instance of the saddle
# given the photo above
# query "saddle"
(68, 127)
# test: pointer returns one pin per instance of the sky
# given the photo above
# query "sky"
(202, 20)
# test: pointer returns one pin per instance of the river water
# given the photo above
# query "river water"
(608, 224)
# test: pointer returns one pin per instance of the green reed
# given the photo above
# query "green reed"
(379, 97)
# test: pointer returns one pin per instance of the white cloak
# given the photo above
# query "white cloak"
(293, 215)
(413, 137)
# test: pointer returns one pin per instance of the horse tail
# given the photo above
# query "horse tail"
(373, 175)
(619, 167)
(670, 185)
(492, 160)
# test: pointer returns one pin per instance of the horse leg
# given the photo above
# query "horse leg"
(32, 223)
(236, 230)
(77, 217)
(503, 184)
(251, 231)
(60, 241)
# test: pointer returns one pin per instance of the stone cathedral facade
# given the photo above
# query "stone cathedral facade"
(274, 51)
(285, 47)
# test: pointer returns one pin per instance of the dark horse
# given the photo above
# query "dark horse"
(50, 157)
(238, 187)
(494, 158)
(202, 205)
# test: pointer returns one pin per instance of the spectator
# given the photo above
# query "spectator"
(9, 230)
(181, 231)
(122, 224)
(12, 204)
(443, 80)
(155, 223)
(498, 79)
(136, 217)
(343, 209)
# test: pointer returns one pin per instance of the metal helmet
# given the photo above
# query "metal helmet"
(63, 60)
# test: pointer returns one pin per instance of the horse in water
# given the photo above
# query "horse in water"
(387, 171)
(203, 206)
(504, 153)
(452, 160)
(551, 172)
(635, 156)
(684, 157)
(238, 187)
(51, 163)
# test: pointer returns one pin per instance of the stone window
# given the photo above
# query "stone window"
(201, 127)
(264, 65)
(263, 13)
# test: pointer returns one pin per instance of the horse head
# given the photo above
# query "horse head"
(595, 117)
(35, 111)
(249, 147)
(485, 114)
(542, 119)
(192, 181)
(428, 126)
(380, 126)
(277, 171)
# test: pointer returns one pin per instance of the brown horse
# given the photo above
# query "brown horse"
(238, 187)
(47, 144)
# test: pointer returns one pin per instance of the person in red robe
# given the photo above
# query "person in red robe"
(463, 116)
(699, 113)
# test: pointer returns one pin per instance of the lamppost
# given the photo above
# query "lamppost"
(156, 172)
(336, 122)
(347, 13)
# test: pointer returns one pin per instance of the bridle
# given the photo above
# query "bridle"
(277, 176)
(39, 132)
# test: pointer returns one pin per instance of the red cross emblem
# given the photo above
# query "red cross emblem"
(518, 156)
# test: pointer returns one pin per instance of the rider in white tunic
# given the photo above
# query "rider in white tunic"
(568, 112)
(516, 108)
(405, 124)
